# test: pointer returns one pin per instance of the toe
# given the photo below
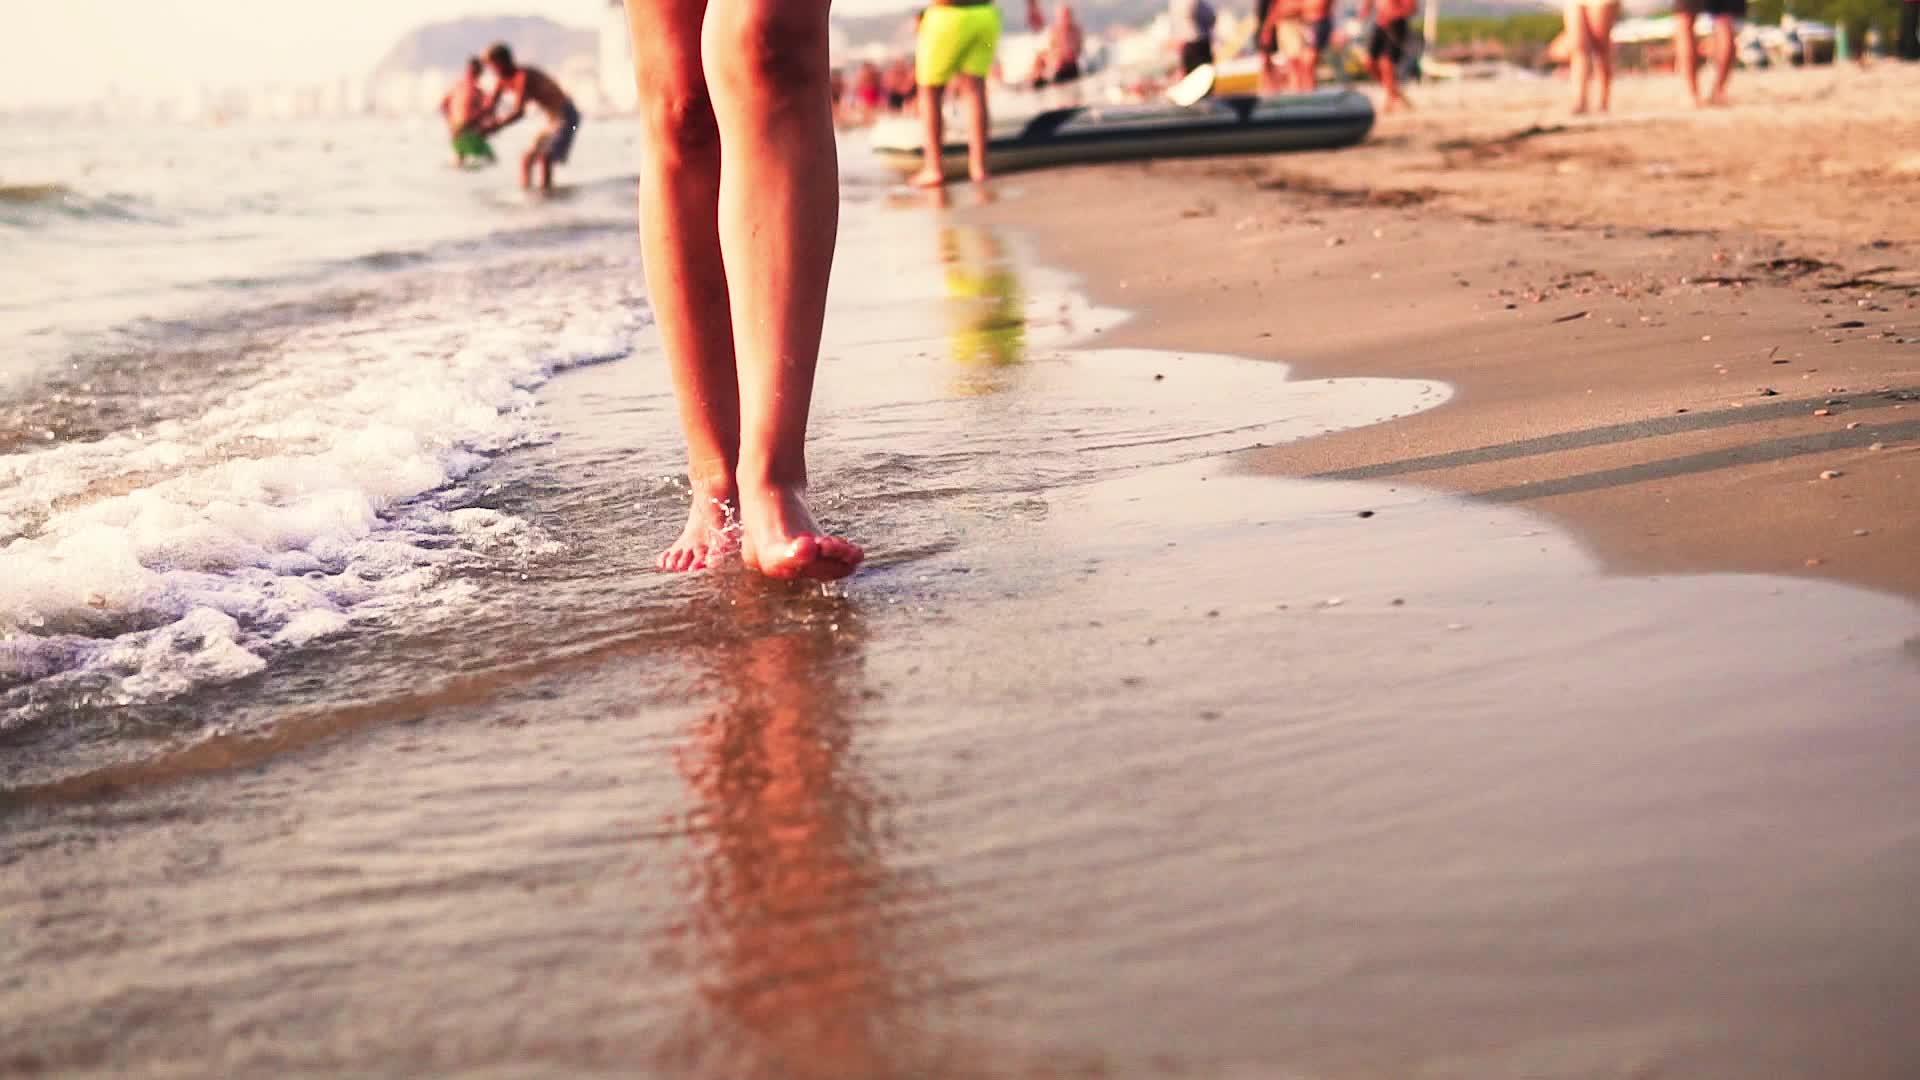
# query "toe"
(801, 554)
(841, 551)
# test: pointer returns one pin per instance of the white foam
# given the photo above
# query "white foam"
(187, 552)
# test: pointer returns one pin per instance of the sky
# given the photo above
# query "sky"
(74, 50)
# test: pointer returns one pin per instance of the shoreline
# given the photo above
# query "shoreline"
(1672, 395)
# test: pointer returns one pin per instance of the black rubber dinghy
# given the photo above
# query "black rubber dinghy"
(1087, 133)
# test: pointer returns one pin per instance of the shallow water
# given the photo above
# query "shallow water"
(1114, 762)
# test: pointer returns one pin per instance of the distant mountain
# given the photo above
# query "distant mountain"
(445, 46)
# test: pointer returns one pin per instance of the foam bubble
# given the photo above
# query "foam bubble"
(188, 551)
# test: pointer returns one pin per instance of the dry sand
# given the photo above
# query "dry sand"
(1664, 327)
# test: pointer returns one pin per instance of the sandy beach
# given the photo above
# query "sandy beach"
(1662, 327)
(1361, 616)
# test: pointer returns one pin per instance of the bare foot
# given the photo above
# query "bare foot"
(712, 523)
(978, 173)
(1580, 109)
(928, 178)
(780, 539)
(1719, 101)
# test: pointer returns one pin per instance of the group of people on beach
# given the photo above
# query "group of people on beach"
(737, 260)
(1590, 41)
(473, 114)
(869, 90)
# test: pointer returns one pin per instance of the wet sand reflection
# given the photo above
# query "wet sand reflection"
(793, 925)
(986, 310)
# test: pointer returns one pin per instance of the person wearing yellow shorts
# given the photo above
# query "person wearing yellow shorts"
(956, 44)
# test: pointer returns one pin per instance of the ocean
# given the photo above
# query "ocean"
(344, 728)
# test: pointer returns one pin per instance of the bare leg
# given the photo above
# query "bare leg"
(686, 277)
(546, 173)
(1307, 76)
(1390, 82)
(932, 173)
(975, 89)
(766, 62)
(1723, 55)
(1601, 29)
(1580, 63)
(1687, 51)
(526, 169)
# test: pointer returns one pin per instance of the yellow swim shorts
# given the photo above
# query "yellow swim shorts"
(956, 39)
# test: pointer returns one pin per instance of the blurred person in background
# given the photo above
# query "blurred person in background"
(1065, 41)
(464, 109)
(956, 45)
(902, 90)
(1726, 16)
(1387, 47)
(530, 85)
(1300, 31)
(1590, 37)
(1190, 23)
(1909, 45)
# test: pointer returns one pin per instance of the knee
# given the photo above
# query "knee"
(770, 49)
(678, 115)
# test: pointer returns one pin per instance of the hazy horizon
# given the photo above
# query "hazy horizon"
(81, 50)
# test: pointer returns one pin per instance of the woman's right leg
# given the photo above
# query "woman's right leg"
(779, 214)
(686, 277)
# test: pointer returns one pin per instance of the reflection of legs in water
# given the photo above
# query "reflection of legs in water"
(986, 308)
(749, 76)
(792, 915)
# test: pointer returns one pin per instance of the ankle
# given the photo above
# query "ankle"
(761, 478)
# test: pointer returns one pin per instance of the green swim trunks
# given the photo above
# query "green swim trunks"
(956, 39)
(472, 144)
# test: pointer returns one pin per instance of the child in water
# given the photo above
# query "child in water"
(464, 108)
(737, 263)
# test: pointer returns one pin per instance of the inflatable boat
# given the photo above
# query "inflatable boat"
(1088, 133)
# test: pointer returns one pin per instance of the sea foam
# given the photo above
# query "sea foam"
(139, 566)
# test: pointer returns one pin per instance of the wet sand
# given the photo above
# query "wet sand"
(1116, 761)
(1662, 329)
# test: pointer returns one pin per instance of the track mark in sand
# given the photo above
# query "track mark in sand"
(1731, 457)
(1312, 187)
(1492, 144)
(1653, 427)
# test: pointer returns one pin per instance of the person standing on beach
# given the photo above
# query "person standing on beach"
(531, 85)
(464, 108)
(1064, 44)
(1388, 47)
(737, 261)
(1190, 23)
(1301, 31)
(956, 45)
(1590, 31)
(1726, 16)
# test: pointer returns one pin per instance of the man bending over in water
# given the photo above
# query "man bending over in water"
(530, 84)
(737, 262)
